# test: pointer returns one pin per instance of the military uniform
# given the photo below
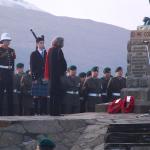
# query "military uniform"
(116, 84)
(18, 93)
(82, 76)
(105, 97)
(105, 82)
(92, 90)
(71, 101)
(7, 57)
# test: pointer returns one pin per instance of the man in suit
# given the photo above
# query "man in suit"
(37, 66)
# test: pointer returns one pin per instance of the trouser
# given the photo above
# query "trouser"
(105, 99)
(20, 103)
(71, 104)
(91, 103)
(82, 105)
(40, 105)
(6, 85)
(56, 104)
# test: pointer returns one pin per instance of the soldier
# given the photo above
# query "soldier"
(7, 57)
(26, 84)
(92, 89)
(39, 88)
(116, 84)
(18, 77)
(71, 101)
(82, 77)
(105, 80)
(88, 74)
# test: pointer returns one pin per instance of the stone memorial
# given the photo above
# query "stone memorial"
(138, 65)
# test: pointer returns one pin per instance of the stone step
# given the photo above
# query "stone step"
(127, 138)
(127, 146)
(129, 128)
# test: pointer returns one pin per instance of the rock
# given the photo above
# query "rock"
(10, 139)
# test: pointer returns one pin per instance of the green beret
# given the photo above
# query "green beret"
(88, 73)
(96, 68)
(20, 65)
(107, 70)
(72, 67)
(47, 143)
(118, 69)
(82, 75)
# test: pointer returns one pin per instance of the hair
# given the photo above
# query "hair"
(39, 39)
(58, 42)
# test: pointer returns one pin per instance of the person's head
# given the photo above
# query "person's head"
(82, 76)
(72, 71)
(119, 72)
(46, 144)
(20, 68)
(5, 39)
(107, 72)
(28, 72)
(40, 43)
(58, 42)
(95, 72)
(88, 74)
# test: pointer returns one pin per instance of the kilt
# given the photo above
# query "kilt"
(40, 89)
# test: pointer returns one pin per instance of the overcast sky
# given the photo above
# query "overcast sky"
(124, 13)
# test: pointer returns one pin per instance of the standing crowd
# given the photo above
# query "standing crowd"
(51, 86)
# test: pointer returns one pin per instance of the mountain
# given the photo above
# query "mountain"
(87, 43)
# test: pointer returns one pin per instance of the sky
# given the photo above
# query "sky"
(124, 13)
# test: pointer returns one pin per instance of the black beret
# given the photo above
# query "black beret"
(107, 70)
(20, 65)
(82, 75)
(72, 67)
(118, 69)
(96, 68)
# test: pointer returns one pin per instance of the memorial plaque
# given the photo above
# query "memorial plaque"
(140, 35)
(139, 60)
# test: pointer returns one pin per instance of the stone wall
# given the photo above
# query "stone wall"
(72, 132)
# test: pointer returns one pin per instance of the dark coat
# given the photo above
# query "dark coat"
(56, 67)
(37, 65)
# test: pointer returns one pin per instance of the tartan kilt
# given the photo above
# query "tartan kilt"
(40, 89)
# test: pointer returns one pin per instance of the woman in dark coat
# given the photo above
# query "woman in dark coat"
(55, 69)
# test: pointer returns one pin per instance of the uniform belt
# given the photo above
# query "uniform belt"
(116, 94)
(94, 94)
(72, 92)
(5, 67)
(16, 91)
(104, 94)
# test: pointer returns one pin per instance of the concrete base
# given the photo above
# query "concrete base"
(140, 107)
(140, 94)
